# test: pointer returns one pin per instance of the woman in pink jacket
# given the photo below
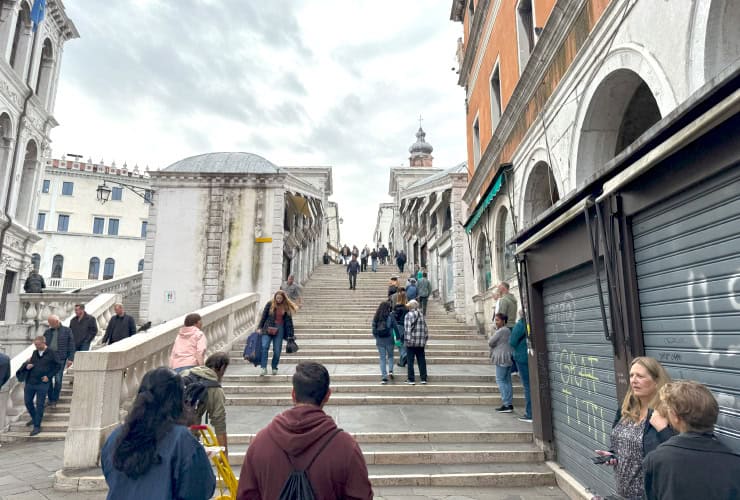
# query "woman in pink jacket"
(190, 345)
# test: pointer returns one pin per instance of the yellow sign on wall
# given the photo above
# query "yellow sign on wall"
(263, 240)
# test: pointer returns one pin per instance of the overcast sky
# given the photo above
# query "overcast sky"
(320, 82)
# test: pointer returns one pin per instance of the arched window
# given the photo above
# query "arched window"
(504, 254)
(109, 268)
(57, 266)
(483, 260)
(93, 270)
(46, 71)
(21, 39)
(141, 265)
(448, 219)
(28, 187)
(36, 261)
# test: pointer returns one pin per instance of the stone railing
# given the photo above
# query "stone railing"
(107, 379)
(69, 283)
(11, 395)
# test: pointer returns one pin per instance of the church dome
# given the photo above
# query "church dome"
(421, 146)
(224, 163)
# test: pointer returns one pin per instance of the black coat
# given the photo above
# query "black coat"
(4, 369)
(651, 438)
(83, 330)
(269, 320)
(119, 328)
(43, 366)
(65, 343)
(692, 466)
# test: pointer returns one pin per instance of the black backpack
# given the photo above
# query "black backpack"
(298, 486)
(196, 395)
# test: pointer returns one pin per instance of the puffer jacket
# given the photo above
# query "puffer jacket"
(189, 348)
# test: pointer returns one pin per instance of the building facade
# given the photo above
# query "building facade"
(30, 62)
(562, 96)
(250, 225)
(82, 239)
(333, 233)
(383, 234)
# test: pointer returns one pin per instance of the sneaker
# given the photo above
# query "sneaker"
(423, 382)
(526, 419)
(263, 372)
(390, 374)
(384, 381)
(35, 431)
(410, 382)
(505, 409)
(274, 371)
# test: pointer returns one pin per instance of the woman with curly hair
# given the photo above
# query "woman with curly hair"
(276, 325)
(151, 455)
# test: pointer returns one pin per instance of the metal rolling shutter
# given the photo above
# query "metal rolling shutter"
(581, 362)
(687, 254)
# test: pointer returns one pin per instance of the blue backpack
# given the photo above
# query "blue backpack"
(253, 349)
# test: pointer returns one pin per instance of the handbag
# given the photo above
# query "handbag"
(272, 330)
(291, 347)
(22, 373)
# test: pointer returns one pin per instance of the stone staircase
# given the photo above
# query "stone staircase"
(444, 434)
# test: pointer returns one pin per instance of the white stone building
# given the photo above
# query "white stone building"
(30, 62)
(228, 223)
(82, 239)
(383, 234)
(333, 233)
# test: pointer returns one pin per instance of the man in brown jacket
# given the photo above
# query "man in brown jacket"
(302, 434)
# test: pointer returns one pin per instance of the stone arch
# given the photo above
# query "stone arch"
(21, 39)
(6, 141)
(93, 269)
(28, 183)
(540, 192)
(722, 42)
(505, 263)
(46, 72)
(57, 266)
(483, 263)
(627, 95)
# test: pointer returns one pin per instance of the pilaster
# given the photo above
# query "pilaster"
(212, 283)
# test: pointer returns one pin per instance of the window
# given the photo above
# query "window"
(476, 142)
(471, 12)
(433, 222)
(109, 268)
(98, 225)
(505, 254)
(116, 194)
(63, 223)
(57, 265)
(148, 196)
(68, 188)
(483, 261)
(140, 267)
(495, 98)
(524, 32)
(93, 270)
(113, 227)
(41, 221)
(45, 186)
(448, 219)
(36, 261)
(144, 225)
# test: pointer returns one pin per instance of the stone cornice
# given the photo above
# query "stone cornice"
(296, 184)
(64, 172)
(418, 173)
(66, 27)
(476, 29)
(320, 171)
(443, 183)
(165, 179)
(553, 35)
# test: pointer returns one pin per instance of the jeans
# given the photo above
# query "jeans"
(423, 303)
(277, 347)
(400, 266)
(183, 368)
(374, 265)
(524, 376)
(56, 384)
(84, 346)
(385, 350)
(418, 353)
(503, 378)
(352, 280)
(39, 391)
(363, 265)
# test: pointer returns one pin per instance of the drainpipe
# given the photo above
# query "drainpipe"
(14, 162)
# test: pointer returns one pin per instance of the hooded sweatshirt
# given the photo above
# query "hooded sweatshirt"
(189, 348)
(215, 405)
(338, 472)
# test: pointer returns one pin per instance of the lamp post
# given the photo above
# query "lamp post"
(104, 192)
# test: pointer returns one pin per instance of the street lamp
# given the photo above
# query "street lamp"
(104, 192)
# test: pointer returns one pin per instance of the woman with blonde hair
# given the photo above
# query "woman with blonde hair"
(276, 325)
(638, 429)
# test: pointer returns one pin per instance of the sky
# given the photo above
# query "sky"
(306, 83)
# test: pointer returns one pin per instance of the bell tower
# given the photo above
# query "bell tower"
(421, 150)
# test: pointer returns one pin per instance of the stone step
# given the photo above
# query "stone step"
(416, 438)
(352, 352)
(15, 436)
(364, 327)
(343, 360)
(375, 387)
(410, 398)
(333, 334)
(359, 377)
(46, 426)
(368, 343)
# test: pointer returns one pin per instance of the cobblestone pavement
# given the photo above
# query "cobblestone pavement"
(27, 472)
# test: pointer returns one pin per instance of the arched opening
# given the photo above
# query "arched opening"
(28, 184)
(722, 46)
(504, 254)
(36, 262)
(93, 269)
(140, 266)
(448, 219)
(109, 268)
(621, 109)
(6, 139)
(541, 192)
(46, 72)
(21, 40)
(483, 263)
(57, 266)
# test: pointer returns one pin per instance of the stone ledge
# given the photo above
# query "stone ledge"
(79, 480)
(568, 484)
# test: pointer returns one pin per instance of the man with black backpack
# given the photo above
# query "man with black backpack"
(204, 395)
(301, 453)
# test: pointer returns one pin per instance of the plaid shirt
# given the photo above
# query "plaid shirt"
(416, 332)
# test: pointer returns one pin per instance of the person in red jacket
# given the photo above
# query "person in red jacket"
(299, 436)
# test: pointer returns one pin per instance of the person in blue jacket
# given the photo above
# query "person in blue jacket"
(518, 341)
(151, 455)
